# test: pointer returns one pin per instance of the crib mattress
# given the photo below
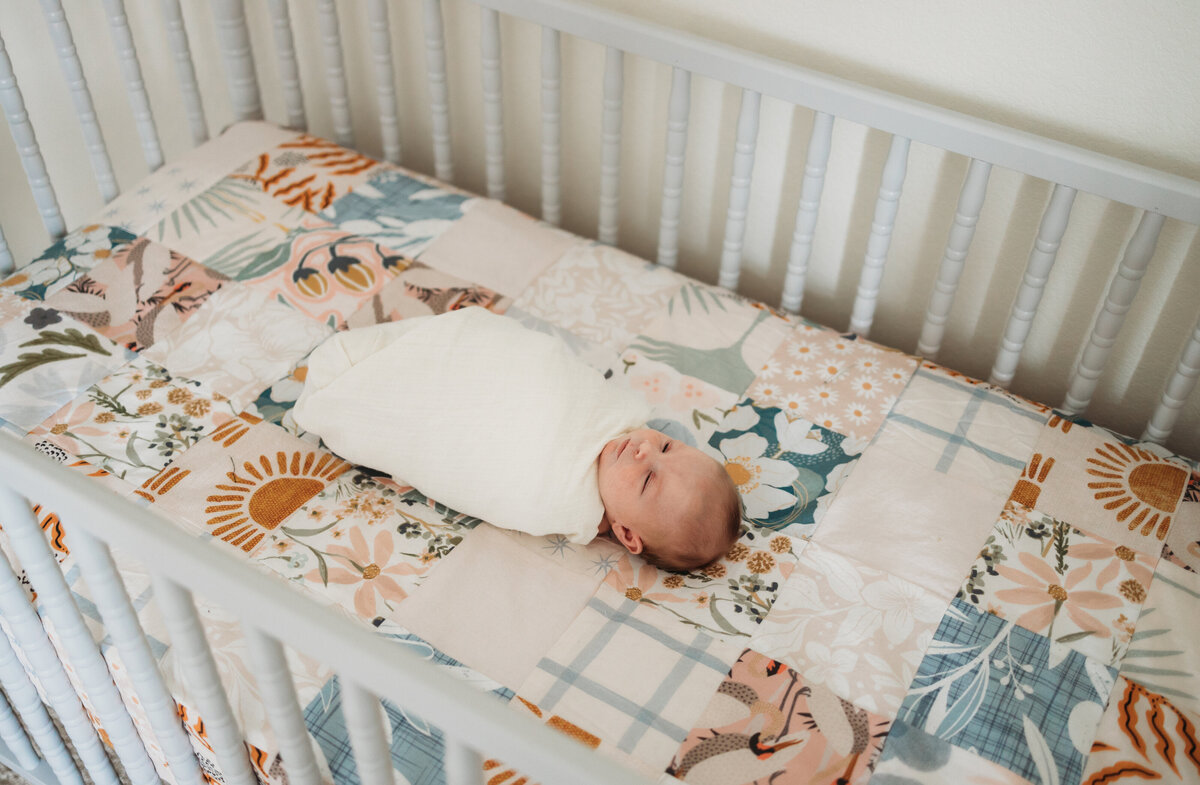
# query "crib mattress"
(936, 577)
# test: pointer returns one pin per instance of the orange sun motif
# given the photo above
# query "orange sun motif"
(271, 491)
(1137, 483)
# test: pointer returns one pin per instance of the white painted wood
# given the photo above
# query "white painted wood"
(380, 33)
(25, 700)
(181, 51)
(398, 675)
(274, 680)
(439, 102)
(678, 110)
(233, 39)
(23, 622)
(610, 146)
(6, 260)
(335, 72)
(15, 738)
(1037, 272)
(973, 137)
(886, 206)
(289, 70)
(202, 681)
(81, 98)
(493, 105)
(31, 156)
(55, 601)
(463, 765)
(366, 723)
(941, 299)
(1108, 322)
(739, 191)
(551, 127)
(131, 72)
(1176, 391)
(121, 623)
(820, 141)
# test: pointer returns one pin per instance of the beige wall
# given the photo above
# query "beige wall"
(1105, 75)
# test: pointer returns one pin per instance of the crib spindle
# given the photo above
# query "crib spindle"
(941, 299)
(121, 623)
(15, 737)
(610, 151)
(335, 73)
(439, 101)
(739, 191)
(365, 722)
(6, 260)
(131, 71)
(1037, 272)
(463, 765)
(672, 200)
(1121, 291)
(551, 127)
(289, 70)
(23, 694)
(31, 155)
(886, 206)
(493, 107)
(203, 681)
(385, 79)
(233, 39)
(189, 90)
(27, 630)
(54, 597)
(1176, 391)
(81, 98)
(819, 143)
(272, 674)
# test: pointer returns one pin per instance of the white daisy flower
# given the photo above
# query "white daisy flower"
(760, 480)
(798, 436)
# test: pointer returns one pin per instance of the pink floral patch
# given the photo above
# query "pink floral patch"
(1049, 577)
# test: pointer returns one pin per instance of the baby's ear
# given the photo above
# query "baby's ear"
(627, 537)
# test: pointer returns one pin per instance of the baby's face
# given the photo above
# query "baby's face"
(650, 482)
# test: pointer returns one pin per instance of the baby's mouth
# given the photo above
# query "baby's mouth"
(620, 449)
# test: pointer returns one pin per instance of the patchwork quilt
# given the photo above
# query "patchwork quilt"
(937, 581)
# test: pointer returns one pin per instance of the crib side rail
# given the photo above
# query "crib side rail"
(370, 667)
(1086, 170)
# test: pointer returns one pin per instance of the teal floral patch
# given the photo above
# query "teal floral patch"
(786, 470)
(66, 260)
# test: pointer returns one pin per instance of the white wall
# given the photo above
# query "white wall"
(1105, 75)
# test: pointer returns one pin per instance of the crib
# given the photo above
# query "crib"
(113, 655)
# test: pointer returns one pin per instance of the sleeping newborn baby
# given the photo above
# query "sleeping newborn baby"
(504, 424)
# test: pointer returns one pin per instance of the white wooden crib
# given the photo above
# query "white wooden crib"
(97, 522)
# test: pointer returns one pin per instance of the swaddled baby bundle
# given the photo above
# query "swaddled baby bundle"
(475, 411)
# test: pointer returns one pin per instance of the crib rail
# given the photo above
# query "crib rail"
(273, 615)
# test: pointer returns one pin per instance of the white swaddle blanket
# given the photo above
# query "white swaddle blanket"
(475, 411)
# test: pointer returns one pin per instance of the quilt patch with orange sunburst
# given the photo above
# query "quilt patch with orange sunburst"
(243, 481)
(1123, 490)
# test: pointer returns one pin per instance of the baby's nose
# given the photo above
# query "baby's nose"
(643, 449)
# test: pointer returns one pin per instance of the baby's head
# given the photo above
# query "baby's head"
(669, 502)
